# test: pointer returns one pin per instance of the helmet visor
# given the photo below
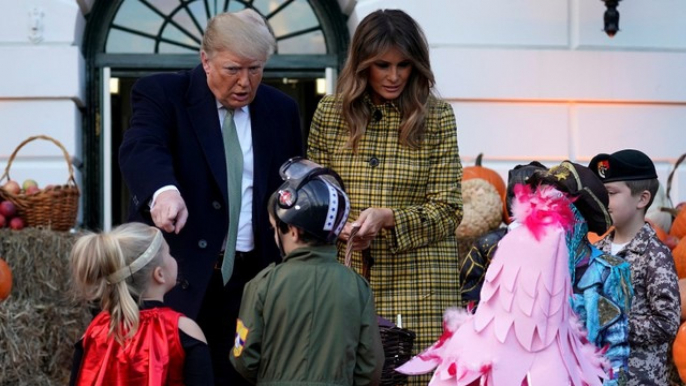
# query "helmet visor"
(297, 170)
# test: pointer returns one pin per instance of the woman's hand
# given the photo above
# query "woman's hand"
(359, 243)
(370, 222)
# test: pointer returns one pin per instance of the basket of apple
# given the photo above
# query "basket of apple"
(53, 207)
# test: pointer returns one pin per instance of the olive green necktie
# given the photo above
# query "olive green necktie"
(234, 176)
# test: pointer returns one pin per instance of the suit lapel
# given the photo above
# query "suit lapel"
(263, 143)
(202, 110)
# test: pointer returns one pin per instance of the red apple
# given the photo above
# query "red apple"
(17, 223)
(8, 209)
(12, 187)
(3, 222)
(33, 189)
(29, 183)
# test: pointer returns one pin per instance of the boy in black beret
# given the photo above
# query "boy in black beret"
(631, 181)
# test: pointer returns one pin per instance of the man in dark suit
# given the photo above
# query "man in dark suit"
(179, 164)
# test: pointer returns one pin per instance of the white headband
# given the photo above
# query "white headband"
(140, 262)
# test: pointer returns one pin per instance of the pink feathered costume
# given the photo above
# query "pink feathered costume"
(524, 331)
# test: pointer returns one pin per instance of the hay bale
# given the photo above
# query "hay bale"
(41, 320)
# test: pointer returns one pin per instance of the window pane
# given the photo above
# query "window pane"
(266, 7)
(197, 10)
(173, 34)
(166, 7)
(294, 23)
(309, 43)
(235, 6)
(166, 48)
(125, 42)
(135, 15)
(297, 16)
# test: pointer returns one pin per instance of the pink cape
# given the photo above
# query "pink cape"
(524, 331)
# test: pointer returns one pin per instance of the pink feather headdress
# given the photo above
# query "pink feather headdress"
(541, 208)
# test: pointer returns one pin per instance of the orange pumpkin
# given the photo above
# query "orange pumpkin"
(5, 280)
(661, 234)
(679, 254)
(679, 352)
(491, 176)
(679, 225)
(682, 292)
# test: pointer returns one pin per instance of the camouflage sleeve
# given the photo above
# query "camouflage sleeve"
(659, 322)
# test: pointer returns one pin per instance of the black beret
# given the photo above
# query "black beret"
(624, 165)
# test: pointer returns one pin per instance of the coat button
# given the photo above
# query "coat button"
(373, 162)
(216, 205)
(202, 244)
(184, 284)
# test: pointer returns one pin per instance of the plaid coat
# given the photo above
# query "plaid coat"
(415, 271)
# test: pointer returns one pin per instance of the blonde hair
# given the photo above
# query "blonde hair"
(375, 35)
(245, 34)
(95, 257)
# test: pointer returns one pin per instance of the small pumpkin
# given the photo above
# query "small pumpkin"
(679, 224)
(659, 231)
(678, 229)
(5, 280)
(481, 208)
(490, 176)
(679, 352)
(679, 254)
(682, 292)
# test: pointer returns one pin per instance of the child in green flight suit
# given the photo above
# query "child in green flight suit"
(308, 319)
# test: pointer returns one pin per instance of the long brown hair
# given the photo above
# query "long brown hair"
(376, 34)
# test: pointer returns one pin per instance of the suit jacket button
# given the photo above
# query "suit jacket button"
(202, 244)
(373, 162)
(184, 284)
(216, 205)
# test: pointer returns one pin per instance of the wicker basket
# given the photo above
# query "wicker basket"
(397, 347)
(397, 342)
(54, 208)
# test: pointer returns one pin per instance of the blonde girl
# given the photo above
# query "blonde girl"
(135, 339)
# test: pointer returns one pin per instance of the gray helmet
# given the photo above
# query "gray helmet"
(312, 198)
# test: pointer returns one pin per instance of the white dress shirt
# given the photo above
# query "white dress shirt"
(241, 118)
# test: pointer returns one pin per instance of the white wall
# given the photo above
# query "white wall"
(42, 86)
(539, 79)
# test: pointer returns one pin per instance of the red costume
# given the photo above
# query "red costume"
(153, 357)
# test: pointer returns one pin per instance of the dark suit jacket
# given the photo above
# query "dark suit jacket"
(175, 139)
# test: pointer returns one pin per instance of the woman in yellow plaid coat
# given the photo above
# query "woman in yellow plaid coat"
(395, 146)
